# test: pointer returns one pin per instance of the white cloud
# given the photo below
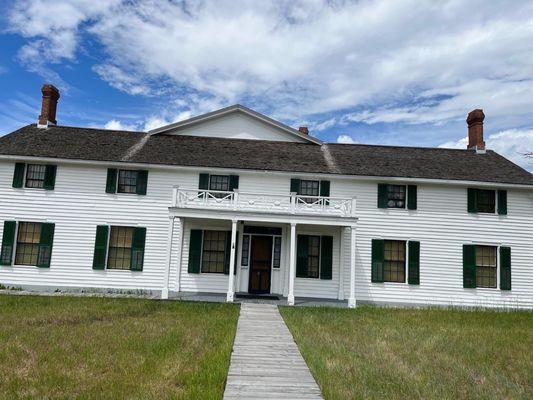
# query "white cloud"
(511, 143)
(374, 61)
(116, 125)
(345, 139)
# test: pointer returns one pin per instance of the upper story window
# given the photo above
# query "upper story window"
(224, 183)
(397, 196)
(35, 176)
(487, 201)
(311, 188)
(126, 181)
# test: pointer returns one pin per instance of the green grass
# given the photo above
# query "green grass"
(93, 348)
(380, 353)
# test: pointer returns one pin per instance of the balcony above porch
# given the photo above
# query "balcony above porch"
(268, 203)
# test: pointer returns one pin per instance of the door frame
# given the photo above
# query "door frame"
(250, 261)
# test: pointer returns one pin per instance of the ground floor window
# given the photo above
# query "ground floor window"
(120, 243)
(394, 261)
(314, 256)
(214, 251)
(486, 266)
(28, 238)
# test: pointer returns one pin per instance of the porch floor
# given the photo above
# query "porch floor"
(265, 362)
(282, 301)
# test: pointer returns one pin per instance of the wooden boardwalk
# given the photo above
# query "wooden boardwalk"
(266, 363)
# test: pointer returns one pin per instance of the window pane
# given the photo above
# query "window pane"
(28, 237)
(486, 201)
(245, 250)
(35, 175)
(214, 251)
(277, 252)
(396, 196)
(394, 266)
(127, 181)
(486, 263)
(120, 241)
(313, 257)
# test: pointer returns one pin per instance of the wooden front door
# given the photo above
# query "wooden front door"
(260, 265)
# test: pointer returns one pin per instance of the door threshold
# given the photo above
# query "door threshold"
(266, 296)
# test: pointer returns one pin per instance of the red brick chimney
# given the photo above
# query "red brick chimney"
(49, 106)
(475, 130)
(304, 130)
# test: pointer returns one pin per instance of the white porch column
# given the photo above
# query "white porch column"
(292, 265)
(181, 231)
(164, 290)
(340, 294)
(351, 299)
(229, 297)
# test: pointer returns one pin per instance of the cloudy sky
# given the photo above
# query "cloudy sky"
(379, 72)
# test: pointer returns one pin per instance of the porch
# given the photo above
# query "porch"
(261, 235)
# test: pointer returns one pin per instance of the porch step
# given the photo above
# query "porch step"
(242, 295)
(266, 363)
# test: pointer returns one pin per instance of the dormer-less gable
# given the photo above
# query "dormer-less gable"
(236, 122)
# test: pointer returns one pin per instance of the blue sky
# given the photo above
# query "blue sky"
(378, 72)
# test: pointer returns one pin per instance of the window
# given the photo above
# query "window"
(219, 182)
(394, 261)
(120, 243)
(35, 174)
(277, 252)
(127, 181)
(396, 196)
(309, 188)
(313, 257)
(28, 238)
(214, 251)
(486, 269)
(245, 255)
(486, 201)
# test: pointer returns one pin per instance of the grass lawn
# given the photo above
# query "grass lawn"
(69, 347)
(380, 353)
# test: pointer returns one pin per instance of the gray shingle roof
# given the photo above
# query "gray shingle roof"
(204, 152)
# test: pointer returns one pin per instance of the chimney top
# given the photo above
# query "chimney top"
(304, 130)
(48, 106)
(475, 130)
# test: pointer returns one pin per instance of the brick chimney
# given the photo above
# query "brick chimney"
(49, 106)
(475, 130)
(304, 130)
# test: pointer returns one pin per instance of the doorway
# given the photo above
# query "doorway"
(260, 265)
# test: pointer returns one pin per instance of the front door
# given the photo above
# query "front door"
(261, 264)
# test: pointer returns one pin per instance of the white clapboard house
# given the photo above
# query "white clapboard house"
(235, 203)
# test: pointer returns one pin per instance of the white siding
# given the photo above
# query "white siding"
(441, 224)
(237, 125)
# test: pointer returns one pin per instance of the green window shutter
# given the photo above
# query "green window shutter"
(326, 257)
(302, 253)
(414, 263)
(203, 183)
(8, 242)
(472, 200)
(505, 268)
(18, 175)
(233, 182)
(502, 202)
(324, 188)
(100, 246)
(469, 266)
(378, 260)
(142, 182)
(45, 245)
(411, 197)
(195, 251)
(50, 177)
(137, 249)
(295, 186)
(111, 184)
(227, 253)
(382, 195)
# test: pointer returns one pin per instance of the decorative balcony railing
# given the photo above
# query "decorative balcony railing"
(289, 203)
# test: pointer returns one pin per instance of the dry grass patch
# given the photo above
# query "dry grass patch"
(378, 353)
(68, 347)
